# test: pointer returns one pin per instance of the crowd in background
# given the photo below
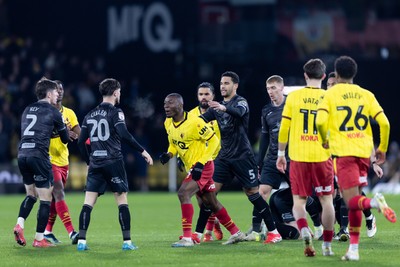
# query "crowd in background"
(23, 62)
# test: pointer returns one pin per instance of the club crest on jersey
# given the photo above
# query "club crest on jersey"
(121, 116)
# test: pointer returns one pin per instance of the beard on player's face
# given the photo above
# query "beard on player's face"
(203, 105)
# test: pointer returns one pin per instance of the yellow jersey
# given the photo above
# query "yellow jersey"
(212, 124)
(345, 113)
(192, 139)
(298, 126)
(58, 150)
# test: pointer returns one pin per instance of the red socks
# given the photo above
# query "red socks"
(226, 221)
(359, 203)
(356, 205)
(328, 235)
(301, 223)
(187, 217)
(210, 222)
(63, 213)
(52, 217)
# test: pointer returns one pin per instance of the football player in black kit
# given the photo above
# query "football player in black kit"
(270, 176)
(281, 204)
(38, 122)
(105, 127)
(236, 158)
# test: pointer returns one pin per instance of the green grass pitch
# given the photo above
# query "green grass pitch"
(156, 224)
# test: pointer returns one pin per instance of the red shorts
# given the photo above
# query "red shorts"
(352, 172)
(206, 182)
(308, 176)
(60, 173)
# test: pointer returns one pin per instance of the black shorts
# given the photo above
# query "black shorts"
(270, 175)
(245, 170)
(36, 171)
(113, 175)
(281, 205)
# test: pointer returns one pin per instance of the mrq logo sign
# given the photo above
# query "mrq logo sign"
(153, 24)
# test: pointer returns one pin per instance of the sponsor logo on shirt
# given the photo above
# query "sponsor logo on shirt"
(180, 144)
(100, 153)
(28, 145)
(203, 130)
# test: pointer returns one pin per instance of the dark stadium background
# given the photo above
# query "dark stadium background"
(70, 41)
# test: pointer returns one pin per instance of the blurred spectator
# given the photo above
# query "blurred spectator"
(86, 97)
(392, 164)
(140, 163)
(136, 166)
(6, 129)
(391, 168)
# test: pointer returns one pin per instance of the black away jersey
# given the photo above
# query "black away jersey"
(270, 123)
(99, 125)
(233, 125)
(37, 124)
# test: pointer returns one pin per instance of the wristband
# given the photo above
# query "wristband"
(374, 162)
(281, 153)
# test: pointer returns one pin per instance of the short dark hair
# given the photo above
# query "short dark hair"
(233, 75)
(177, 97)
(346, 67)
(108, 86)
(59, 83)
(43, 86)
(206, 85)
(315, 68)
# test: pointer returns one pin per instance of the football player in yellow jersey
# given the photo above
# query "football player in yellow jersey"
(59, 160)
(310, 164)
(205, 94)
(345, 113)
(340, 206)
(195, 142)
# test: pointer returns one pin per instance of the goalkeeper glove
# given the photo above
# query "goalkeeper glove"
(196, 171)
